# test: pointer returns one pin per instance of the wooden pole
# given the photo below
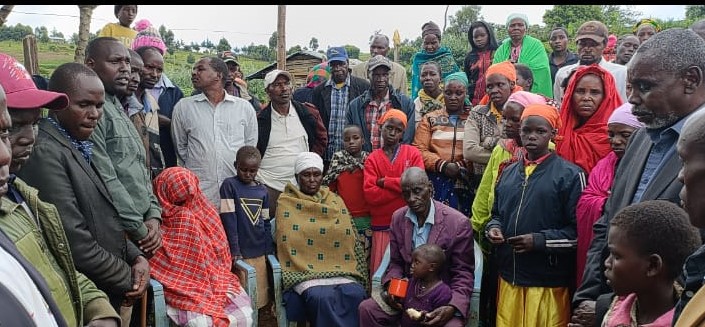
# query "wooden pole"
(281, 37)
(31, 60)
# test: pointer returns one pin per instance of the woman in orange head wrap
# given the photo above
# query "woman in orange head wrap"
(482, 129)
(590, 98)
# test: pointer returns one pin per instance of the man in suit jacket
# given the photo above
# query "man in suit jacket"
(62, 169)
(667, 74)
(690, 309)
(439, 224)
(23, 213)
(333, 97)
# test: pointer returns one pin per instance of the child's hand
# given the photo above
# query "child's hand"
(380, 182)
(415, 315)
(495, 236)
(392, 300)
(522, 243)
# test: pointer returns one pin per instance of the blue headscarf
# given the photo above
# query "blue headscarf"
(460, 77)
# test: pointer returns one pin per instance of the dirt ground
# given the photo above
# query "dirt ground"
(266, 316)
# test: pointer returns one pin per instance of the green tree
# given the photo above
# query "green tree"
(572, 15)
(273, 40)
(619, 19)
(167, 36)
(208, 44)
(56, 33)
(694, 12)
(191, 59)
(460, 22)
(223, 45)
(353, 51)
(42, 34)
(294, 49)
(313, 44)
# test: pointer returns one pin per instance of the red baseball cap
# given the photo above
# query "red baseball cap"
(20, 91)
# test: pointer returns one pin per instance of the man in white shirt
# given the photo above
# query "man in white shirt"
(208, 128)
(591, 39)
(286, 128)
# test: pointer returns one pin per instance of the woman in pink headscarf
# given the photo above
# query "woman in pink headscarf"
(620, 127)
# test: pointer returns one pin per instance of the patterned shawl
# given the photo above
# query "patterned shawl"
(194, 261)
(316, 238)
(429, 103)
(342, 161)
(442, 56)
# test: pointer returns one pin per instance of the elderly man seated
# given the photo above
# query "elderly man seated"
(422, 221)
(323, 264)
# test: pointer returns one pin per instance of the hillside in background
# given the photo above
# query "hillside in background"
(177, 65)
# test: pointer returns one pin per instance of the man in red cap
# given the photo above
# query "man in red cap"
(79, 301)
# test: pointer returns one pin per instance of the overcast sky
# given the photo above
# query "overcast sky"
(332, 25)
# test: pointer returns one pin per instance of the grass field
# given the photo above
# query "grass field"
(176, 66)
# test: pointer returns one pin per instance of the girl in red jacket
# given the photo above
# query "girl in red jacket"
(382, 179)
(345, 178)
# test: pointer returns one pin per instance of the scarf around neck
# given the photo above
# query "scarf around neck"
(84, 147)
(430, 103)
(344, 161)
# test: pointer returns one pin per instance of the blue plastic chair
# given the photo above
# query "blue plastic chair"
(278, 302)
(244, 270)
(474, 314)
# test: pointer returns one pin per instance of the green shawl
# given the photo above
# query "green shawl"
(442, 56)
(316, 238)
(533, 54)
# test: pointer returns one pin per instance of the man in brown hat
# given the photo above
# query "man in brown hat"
(591, 39)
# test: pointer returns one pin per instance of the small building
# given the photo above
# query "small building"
(57, 39)
(297, 64)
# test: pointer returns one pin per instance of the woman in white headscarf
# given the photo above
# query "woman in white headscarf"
(323, 263)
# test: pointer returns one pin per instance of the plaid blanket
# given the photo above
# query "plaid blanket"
(316, 238)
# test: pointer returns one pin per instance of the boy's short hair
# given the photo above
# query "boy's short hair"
(432, 253)
(659, 227)
(247, 152)
(118, 7)
(352, 126)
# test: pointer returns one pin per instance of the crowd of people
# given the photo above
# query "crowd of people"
(579, 175)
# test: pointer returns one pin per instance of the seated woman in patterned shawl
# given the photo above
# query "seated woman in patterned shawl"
(323, 263)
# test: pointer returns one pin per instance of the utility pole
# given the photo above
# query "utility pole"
(281, 37)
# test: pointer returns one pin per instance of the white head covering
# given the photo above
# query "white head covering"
(520, 16)
(306, 160)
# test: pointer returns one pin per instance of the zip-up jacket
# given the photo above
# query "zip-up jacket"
(440, 140)
(542, 204)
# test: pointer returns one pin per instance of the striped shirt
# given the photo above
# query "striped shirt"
(338, 108)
